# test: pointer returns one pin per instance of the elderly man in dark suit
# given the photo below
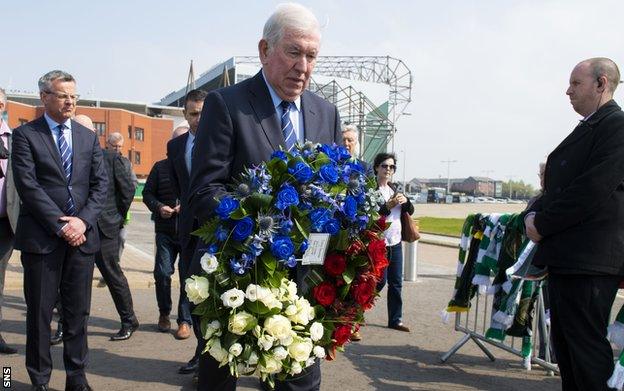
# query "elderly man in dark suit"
(118, 200)
(579, 225)
(179, 151)
(243, 124)
(61, 180)
(9, 208)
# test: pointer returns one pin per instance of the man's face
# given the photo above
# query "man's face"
(349, 140)
(192, 114)
(583, 90)
(115, 145)
(289, 64)
(60, 100)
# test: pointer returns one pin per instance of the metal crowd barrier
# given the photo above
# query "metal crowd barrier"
(476, 321)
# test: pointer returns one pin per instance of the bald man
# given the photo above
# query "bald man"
(84, 121)
(579, 225)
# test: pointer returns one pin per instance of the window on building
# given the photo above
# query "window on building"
(139, 134)
(137, 157)
(130, 155)
(22, 121)
(129, 132)
(100, 128)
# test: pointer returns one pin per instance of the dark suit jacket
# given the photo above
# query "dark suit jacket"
(159, 191)
(180, 182)
(581, 212)
(119, 195)
(43, 188)
(239, 128)
(12, 198)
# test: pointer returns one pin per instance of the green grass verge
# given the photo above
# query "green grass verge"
(441, 226)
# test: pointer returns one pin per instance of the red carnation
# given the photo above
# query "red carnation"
(363, 291)
(335, 264)
(324, 293)
(378, 256)
(342, 333)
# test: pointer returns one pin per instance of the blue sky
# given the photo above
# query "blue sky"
(489, 76)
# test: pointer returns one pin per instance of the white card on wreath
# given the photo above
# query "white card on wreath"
(317, 248)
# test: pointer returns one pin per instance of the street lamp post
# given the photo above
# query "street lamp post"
(448, 174)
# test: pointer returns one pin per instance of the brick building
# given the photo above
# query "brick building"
(145, 136)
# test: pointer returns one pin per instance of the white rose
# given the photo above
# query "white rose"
(213, 328)
(295, 369)
(253, 358)
(292, 290)
(271, 365)
(196, 289)
(256, 292)
(304, 309)
(316, 331)
(241, 322)
(236, 349)
(290, 310)
(233, 298)
(209, 263)
(217, 352)
(319, 351)
(280, 353)
(269, 300)
(310, 361)
(266, 342)
(287, 340)
(278, 326)
(300, 349)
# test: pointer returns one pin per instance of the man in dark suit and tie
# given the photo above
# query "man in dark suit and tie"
(579, 225)
(179, 151)
(118, 200)
(244, 124)
(9, 208)
(61, 180)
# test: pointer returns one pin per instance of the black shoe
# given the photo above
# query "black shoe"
(57, 338)
(189, 367)
(400, 327)
(125, 332)
(40, 387)
(79, 387)
(6, 349)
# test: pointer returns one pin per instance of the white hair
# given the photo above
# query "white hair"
(351, 128)
(3, 97)
(115, 136)
(290, 16)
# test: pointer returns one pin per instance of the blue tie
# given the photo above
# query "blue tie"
(66, 161)
(287, 127)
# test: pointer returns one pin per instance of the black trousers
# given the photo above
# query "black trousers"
(107, 261)
(68, 272)
(580, 306)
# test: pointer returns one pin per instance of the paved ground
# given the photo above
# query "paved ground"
(384, 360)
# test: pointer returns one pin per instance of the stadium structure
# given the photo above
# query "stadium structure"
(371, 92)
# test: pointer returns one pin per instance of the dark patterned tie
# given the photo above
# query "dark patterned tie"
(287, 127)
(66, 161)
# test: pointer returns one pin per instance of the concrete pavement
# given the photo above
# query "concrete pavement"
(384, 360)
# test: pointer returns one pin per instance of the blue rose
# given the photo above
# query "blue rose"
(282, 247)
(291, 261)
(213, 249)
(319, 217)
(342, 153)
(332, 226)
(286, 227)
(243, 229)
(286, 197)
(301, 171)
(221, 233)
(227, 205)
(329, 173)
(304, 246)
(328, 150)
(350, 207)
(280, 155)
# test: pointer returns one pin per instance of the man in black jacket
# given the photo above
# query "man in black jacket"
(160, 198)
(579, 225)
(118, 199)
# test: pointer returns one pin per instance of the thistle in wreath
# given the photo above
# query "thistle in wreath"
(256, 316)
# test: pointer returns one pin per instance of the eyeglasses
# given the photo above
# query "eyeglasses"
(63, 96)
(390, 167)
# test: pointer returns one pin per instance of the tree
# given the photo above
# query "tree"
(519, 190)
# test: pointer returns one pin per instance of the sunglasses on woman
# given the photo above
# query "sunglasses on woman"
(391, 167)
